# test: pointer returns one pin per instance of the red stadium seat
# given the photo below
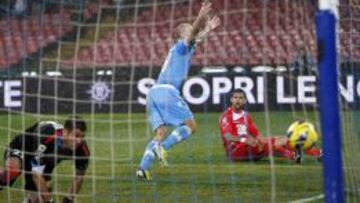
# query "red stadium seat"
(29, 35)
(248, 35)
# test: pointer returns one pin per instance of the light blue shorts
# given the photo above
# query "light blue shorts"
(166, 107)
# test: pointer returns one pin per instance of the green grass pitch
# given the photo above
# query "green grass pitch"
(198, 172)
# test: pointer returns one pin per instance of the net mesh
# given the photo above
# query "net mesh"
(348, 52)
(97, 59)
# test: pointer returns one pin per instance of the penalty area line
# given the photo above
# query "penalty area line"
(309, 199)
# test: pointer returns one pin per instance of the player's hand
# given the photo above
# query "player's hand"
(205, 8)
(249, 140)
(67, 200)
(260, 145)
(213, 23)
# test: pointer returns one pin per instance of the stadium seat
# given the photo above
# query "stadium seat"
(26, 36)
(275, 40)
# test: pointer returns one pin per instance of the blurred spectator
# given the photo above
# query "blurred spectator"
(19, 7)
(15, 8)
(304, 62)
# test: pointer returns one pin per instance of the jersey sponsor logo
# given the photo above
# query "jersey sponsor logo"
(39, 153)
(237, 116)
(241, 129)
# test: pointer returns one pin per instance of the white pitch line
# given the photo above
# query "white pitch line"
(309, 199)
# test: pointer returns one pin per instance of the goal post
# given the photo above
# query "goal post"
(326, 23)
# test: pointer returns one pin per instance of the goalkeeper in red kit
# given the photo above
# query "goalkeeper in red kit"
(242, 140)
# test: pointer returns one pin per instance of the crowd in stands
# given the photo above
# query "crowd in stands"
(250, 34)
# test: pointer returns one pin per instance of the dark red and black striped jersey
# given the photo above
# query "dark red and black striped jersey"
(42, 148)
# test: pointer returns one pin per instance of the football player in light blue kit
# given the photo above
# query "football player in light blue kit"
(164, 104)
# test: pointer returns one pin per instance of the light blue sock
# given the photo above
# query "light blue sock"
(177, 135)
(148, 156)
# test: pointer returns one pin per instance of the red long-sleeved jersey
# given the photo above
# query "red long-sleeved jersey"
(237, 125)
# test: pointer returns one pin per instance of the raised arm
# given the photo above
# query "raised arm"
(211, 24)
(200, 22)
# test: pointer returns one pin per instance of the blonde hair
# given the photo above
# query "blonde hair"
(180, 29)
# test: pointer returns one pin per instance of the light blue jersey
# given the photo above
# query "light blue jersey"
(164, 103)
(177, 64)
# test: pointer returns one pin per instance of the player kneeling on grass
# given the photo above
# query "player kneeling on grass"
(165, 105)
(241, 138)
(38, 150)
